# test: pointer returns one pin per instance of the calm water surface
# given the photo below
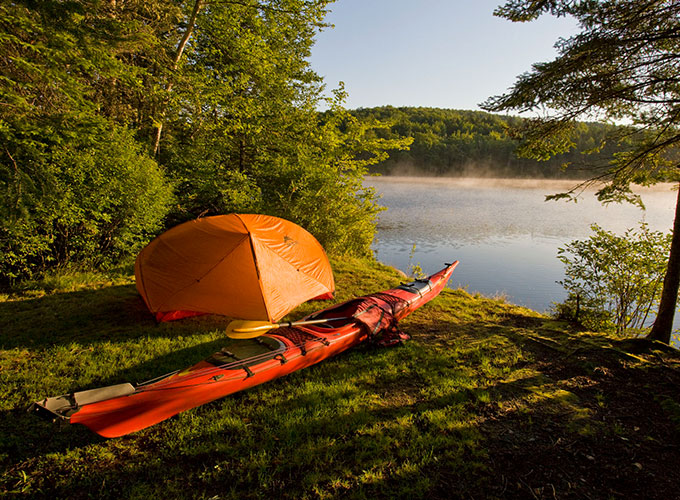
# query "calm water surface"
(503, 233)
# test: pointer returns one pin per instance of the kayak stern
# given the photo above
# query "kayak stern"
(62, 407)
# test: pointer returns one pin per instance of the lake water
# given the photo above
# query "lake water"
(503, 233)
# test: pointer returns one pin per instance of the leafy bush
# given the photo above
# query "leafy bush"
(320, 186)
(336, 210)
(90, 201)
(614, 282)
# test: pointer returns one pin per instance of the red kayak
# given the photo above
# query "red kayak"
(121, 409)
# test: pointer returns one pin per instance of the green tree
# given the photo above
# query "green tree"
(624, 65)
(243, 100)
(614, 281)
(107, 107)
(321, 185)
(242, 132)
(76, 187)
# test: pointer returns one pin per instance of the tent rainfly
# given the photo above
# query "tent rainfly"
(244, 266)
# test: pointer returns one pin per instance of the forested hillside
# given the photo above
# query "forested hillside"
(119, 119)
(474, 143)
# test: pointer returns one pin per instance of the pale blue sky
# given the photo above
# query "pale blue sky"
(435, 53)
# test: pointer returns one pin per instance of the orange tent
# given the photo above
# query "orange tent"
(243, 266)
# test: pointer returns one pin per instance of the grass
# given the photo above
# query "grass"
(489, 400)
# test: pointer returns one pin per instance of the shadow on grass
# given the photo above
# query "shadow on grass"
(289, 447)
(393, 448)
(509, 408)
(590, 423)
(114, 313)
(88, 316)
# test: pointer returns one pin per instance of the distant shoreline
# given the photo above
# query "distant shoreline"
(507, 182)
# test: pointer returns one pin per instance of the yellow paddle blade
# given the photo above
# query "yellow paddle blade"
(245, 329)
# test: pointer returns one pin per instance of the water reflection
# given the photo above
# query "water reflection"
(503, 232)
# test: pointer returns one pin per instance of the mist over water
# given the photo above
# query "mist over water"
(502, 231)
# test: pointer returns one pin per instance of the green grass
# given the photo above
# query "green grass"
(481, 381)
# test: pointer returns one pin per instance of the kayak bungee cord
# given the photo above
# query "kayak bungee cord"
(227, 366)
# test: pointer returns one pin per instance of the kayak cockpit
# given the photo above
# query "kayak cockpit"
(238, 354)
(419, 286)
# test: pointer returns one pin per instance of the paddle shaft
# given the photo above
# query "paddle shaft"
(288, 323)
(310, 321)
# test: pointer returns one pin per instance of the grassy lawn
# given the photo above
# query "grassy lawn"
(489, 400)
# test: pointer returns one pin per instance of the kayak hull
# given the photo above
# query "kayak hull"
(122, 409)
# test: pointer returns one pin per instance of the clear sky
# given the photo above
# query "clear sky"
(433, 53)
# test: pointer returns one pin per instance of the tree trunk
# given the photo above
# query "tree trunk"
(663, 325)
(175, 64)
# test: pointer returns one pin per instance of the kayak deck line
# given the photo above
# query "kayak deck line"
(120, 409)
(61, 407)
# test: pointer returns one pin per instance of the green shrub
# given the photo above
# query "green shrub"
(91, 200)
(614, 282)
